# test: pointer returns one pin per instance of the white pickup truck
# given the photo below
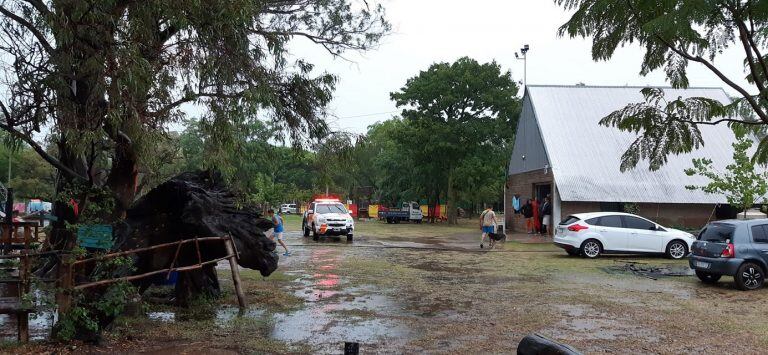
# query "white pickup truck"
(326, 218)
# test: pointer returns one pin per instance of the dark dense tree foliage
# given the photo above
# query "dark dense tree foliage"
(675, 33)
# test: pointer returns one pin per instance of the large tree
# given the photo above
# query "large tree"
(674, 34)
(104, 78)
(458, 109)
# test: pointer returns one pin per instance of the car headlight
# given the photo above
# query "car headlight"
(321, 220)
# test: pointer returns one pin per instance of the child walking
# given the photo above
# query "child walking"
(277, 232)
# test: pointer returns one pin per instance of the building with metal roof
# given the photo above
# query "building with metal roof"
(562, 151)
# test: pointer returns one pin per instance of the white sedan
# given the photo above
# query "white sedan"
(591, 234)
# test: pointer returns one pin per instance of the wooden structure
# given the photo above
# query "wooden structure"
(69, 268)
(18, 241)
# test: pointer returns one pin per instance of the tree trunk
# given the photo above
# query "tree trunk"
(197, 283)
(123, 178)
(450, 204)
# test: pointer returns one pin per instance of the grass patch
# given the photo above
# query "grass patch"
(272, 293)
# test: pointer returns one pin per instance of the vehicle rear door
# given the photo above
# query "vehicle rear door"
(643, 235)
(713, 239)
(610, 227)
(760, 240)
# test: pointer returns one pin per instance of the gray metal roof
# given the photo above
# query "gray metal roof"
(585, 157)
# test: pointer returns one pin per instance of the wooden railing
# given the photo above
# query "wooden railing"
(68, 285)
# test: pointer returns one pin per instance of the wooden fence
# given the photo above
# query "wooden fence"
(64, 298)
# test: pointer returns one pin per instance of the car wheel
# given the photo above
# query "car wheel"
(677, 249)
(573, 252)
(708, 278)
(591, 248)
(750, 276)
(349, 238)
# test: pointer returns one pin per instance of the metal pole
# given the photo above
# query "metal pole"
(525, 71)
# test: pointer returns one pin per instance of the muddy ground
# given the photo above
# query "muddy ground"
(429, 288)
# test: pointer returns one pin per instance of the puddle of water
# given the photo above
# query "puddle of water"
(585, 322)
(165, 317)
(650, 271)
(226, 314)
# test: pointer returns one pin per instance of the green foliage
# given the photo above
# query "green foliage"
(675, 33)
(31, 176)
(271, 174)
(459, 111)
(88, 307)
(742, 184)
(108, 77)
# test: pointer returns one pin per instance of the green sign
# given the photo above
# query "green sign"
(96, 236)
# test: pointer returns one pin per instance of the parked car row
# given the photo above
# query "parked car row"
(736, 248)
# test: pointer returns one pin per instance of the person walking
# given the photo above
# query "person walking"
(277, 231)
(527, 211)
(546, 219)
(487, 225)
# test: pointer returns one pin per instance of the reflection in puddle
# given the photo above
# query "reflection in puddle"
(335, 314)
(40, 323)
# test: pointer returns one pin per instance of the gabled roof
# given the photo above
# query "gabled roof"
(585, 157)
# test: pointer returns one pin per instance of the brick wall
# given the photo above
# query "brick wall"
(522, 184)
(675, 215)
(692, 215)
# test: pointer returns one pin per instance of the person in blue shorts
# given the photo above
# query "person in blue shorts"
(277, 232)
(488, 225)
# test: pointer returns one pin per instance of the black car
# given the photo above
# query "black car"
(733, 248)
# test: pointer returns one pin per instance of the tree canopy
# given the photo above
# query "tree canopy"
(674, 34)
(458, 110)
(106, 77)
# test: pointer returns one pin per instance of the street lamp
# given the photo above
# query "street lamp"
(522, 56)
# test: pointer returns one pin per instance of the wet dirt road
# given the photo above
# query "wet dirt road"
(443, 294)
(434, 291)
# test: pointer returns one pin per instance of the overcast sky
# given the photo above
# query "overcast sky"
(428, 31)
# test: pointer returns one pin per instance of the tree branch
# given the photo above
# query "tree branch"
(40, 6)
(755, 105)
(43, 154)
(36, 32)
(758, 79)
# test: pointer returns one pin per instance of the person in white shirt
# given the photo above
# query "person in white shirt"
(487, 225)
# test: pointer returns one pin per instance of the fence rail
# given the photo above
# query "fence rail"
(67, 285)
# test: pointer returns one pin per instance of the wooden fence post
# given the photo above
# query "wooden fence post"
(64, 292)
(235, 272)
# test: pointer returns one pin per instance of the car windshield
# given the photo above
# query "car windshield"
(717, 232)
(330, 208)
